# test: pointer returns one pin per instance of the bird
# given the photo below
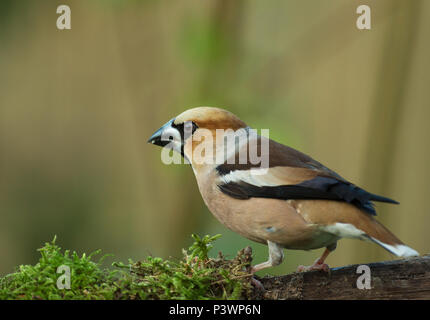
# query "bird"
(292, 202)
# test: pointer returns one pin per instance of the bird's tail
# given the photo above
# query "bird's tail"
(400, 250)
(386, 239)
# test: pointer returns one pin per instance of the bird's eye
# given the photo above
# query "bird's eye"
(185, 129)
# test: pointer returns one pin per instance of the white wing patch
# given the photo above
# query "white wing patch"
(254, 177)
(269, 177)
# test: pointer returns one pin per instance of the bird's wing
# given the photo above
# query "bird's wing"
(292, 175)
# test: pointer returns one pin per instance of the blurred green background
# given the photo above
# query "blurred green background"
(77, 106)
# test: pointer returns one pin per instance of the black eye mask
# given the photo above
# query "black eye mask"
(182, 127)
(185, 126)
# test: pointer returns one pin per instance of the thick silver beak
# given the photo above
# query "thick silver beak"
(156, 136)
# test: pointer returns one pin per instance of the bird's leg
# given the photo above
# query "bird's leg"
(276, 255)
(319, 263)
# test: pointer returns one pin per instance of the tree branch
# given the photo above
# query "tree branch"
(399, 279)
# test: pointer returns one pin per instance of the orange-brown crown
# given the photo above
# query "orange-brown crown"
(211, 118)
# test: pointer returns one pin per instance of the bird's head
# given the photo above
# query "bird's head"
(180, 133)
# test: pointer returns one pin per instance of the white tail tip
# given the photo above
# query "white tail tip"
(399, 250)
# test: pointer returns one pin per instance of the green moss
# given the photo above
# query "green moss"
(195, 276)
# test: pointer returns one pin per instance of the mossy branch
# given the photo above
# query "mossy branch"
(197, 276)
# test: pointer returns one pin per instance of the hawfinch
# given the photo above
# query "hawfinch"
(291, 202)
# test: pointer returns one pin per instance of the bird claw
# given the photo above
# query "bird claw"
(257, 284)
(316, 266)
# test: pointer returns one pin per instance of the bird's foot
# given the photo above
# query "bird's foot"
(316, 266)
(257, 284)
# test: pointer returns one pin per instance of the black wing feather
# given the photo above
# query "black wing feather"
(319, 188)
